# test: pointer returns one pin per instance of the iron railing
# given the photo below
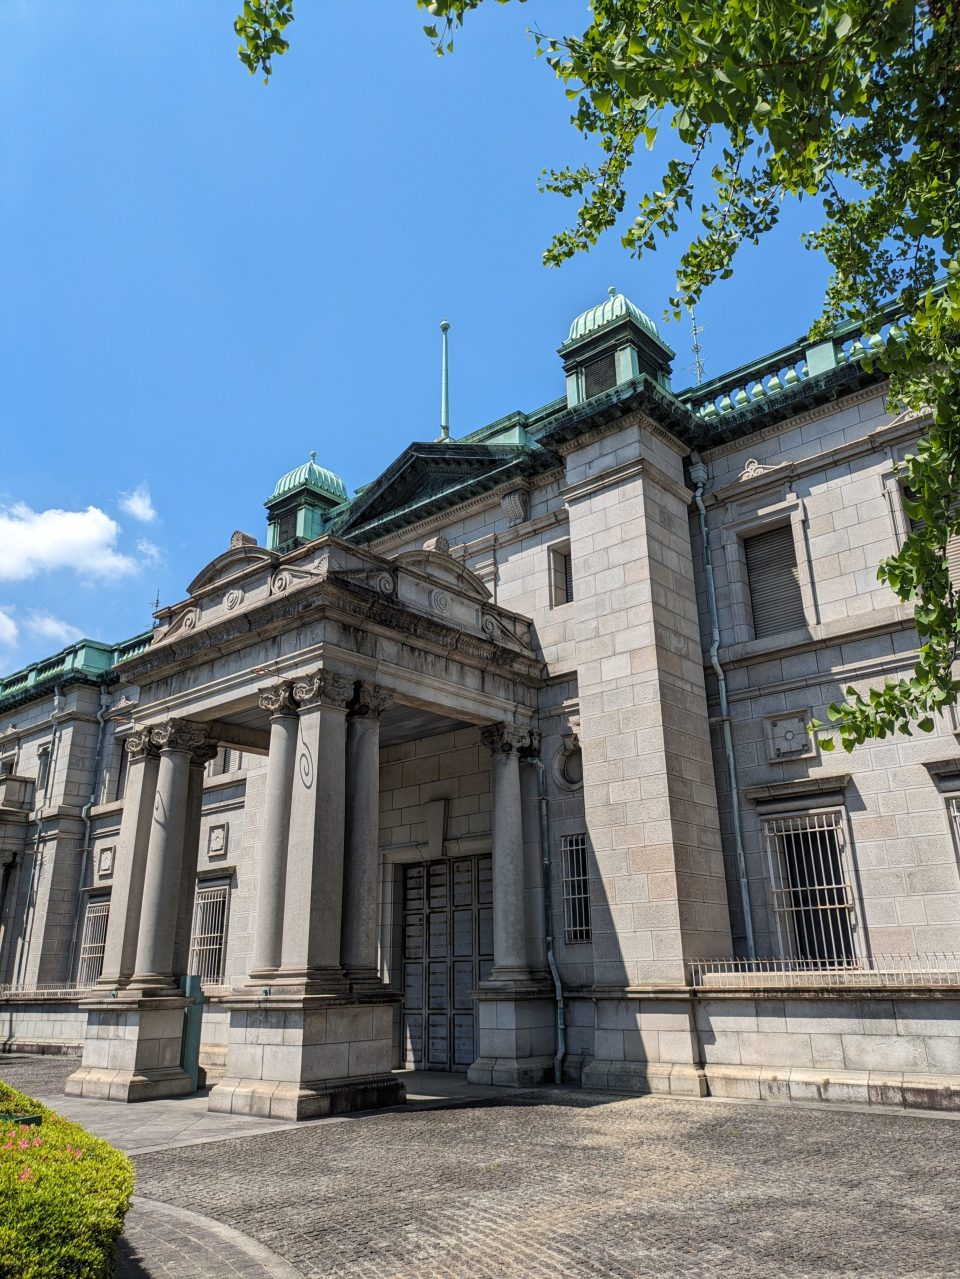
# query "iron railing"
(903, 971)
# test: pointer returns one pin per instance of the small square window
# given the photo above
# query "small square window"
(561, 575)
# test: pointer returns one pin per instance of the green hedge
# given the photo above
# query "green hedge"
(63, 1196)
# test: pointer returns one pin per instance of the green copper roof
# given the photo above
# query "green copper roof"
(615, 308)
(310, 476)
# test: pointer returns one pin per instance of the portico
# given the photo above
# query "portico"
(303, 664)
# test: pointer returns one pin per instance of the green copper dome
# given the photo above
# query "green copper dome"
(615, 308)
(311, 476)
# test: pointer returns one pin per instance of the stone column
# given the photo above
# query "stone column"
(505, 744)
(199, 758)
(177, 739)
(313, 893)
(358, 950)
(130, 863)
(272, 853)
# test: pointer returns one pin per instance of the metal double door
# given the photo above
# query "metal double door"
(447, 951)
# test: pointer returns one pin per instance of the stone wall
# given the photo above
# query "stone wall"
(41, 1025)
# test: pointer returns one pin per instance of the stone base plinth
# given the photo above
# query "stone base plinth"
(131, 1051)
(676, 1078)
(299, 1058)
(516, 1038)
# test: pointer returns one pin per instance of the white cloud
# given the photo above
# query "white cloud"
(139, 504)
(46, 626)
(8, 630)
(33, 542)
(149, 552)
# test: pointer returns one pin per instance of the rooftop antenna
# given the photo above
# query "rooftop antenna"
(444, 437)
(697, 367)
(155, 608)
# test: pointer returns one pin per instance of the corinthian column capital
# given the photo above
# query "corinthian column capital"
(324, 688)
(179, 735)
(279, 700)
(370, 701)
(139, 744)
(505, 739)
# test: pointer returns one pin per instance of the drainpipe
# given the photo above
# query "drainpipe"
(88, 823)
(699, 475)
(548, 924)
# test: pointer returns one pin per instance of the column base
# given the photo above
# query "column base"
(131, 1051)
(270, 1099)
(299, 1057)
(516, 1036)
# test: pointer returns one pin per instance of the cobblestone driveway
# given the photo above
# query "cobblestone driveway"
(571, 1185)
(575, 1185)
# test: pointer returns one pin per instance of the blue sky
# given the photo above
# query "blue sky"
(204, 278)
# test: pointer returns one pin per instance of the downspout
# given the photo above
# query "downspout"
(548, 924)
(699, 475)
(88, 823)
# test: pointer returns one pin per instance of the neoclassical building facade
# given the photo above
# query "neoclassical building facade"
(503, 765)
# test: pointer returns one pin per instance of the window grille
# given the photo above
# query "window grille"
(286, 527)
(576, 888)
(93, 943)
(208, 948)
(599, 375)
(813, 901)
(775, 596)
(561, 574)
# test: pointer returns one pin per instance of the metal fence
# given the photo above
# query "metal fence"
(47, 990)
(879, 970)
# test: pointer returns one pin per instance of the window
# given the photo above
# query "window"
(561, 575)
(812, 900)
(122, 762)
(93, 943)
(775, 595)
(953, 545)
(286, 527)
(43, 770)
(576, 889)
(953, 808)
(599, 375)
(208, 945)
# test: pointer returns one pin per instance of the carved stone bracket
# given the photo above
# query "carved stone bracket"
(323, 688)
(370, 700)
(179, 735)
(514, 505)
(279, 700)
(502, 739)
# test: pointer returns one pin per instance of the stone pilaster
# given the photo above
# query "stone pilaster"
(272, 869)
(358, 949)
(200, 756)
(506, 744)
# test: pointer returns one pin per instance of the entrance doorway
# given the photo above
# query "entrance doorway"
(447, 951)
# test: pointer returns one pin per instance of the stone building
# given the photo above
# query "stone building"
(503, 766)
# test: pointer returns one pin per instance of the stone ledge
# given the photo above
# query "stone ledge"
(860, 1087)
(43, 1047)
(674, 1078)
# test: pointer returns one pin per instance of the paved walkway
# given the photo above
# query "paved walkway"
(554, 1184)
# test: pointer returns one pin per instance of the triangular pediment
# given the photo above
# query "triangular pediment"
(238, 559)
(430, 475)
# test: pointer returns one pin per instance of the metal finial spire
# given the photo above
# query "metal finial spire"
(612, 290)
(697, 367)
(444, 386)
(313, 455)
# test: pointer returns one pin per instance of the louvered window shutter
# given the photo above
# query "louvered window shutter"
(775, 595)
(599, 375)
(953, 548)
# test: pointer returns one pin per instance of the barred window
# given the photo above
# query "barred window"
(812, 899)
(208, 948)
(93, 942)
(576, 888)
(561, 575)
(776, 600)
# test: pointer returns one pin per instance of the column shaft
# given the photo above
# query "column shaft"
(272, 869)
(161, 887)
(191, 853)
(362, 842)
(130, 861)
